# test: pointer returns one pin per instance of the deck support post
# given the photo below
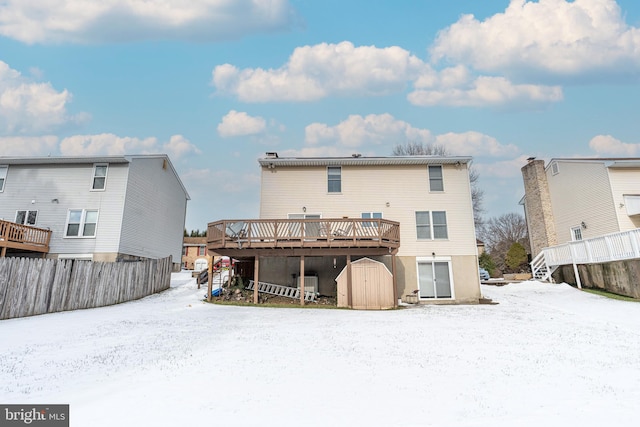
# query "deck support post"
(395, 280)
(349, 283)
(4, 252)
(209, 280)
(302, 280)
(256, 279)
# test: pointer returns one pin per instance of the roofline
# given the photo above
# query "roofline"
(363, 161)
(609, 162)
(90, 160)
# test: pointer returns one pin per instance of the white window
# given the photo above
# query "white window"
(367, 215)
(99, 181)
(435, 178)
(434, 279)
(334, 179)
(26, 217)
(576, 233)
(3, 176)
(554, 168)
(431, 223)
(81, 223)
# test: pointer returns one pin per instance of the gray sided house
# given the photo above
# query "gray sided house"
(111, 208)
(411, 216)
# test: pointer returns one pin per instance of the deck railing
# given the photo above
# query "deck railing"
(303, 233)
(26, 237)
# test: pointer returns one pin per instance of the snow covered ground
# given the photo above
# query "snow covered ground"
(547, 355)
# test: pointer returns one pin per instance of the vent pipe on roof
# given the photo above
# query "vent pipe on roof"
(356, 155)
(271, 155)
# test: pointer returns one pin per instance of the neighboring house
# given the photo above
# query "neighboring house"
(414, 214)
(110, 208)
(577, 199)
(194, 253)
(581, 211)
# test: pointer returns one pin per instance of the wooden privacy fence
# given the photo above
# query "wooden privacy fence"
(31, 286)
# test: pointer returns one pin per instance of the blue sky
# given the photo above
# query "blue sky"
(217, 83)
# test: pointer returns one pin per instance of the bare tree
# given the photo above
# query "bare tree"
(501, 232)
(414, 148)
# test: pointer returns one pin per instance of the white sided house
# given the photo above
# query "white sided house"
(582, 211)
(111, 208)
(319, 215)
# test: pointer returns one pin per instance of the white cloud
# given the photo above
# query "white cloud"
(554, 36)
(385, 130)
(31, 107)
(28, 145)
(237, 123)
(178, 146)
(315, 72)
(481, 91)
(372, 129)
(475, 144)
(608, 145)
(82, 21)
(510, 168)
(110, 144)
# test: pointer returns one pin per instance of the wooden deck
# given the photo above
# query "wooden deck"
(293, 237)
(23, 237)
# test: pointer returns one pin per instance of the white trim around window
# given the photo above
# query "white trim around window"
(576, 233)
(432, 225)
(3, 176)
(81, 224)
(334, 179)
(26, 217)
(436, 179)
(99, 177)
(435, 278)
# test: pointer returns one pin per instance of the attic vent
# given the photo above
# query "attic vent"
(164, 164)
(554, 168)
(271, 155)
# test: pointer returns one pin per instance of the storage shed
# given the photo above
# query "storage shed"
(371, 286)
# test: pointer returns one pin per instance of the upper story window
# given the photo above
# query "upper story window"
(334, 179)
(3, 176)
(81, 223)
(99, 181)
(431, 223)
(201, 250)
(26, 217)
(184, 251)
(436, 182)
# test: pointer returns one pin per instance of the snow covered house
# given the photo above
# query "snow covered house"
(318, 215)
(96, 208)
(582, 211)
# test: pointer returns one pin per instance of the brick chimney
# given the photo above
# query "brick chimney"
(538, 211)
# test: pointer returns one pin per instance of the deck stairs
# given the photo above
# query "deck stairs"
(281, 291)
(541, 270)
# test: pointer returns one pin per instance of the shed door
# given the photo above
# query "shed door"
(371, 287)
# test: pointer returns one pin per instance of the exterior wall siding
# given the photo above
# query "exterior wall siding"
(581, 192)
(395, 191)
(69, 184)
(154, 211)
(624, 181)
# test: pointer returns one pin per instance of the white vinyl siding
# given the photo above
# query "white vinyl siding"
(56, 188)
(154, 210)
(398, 190)
(625, 185)
(3, 176)
(581, 193)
